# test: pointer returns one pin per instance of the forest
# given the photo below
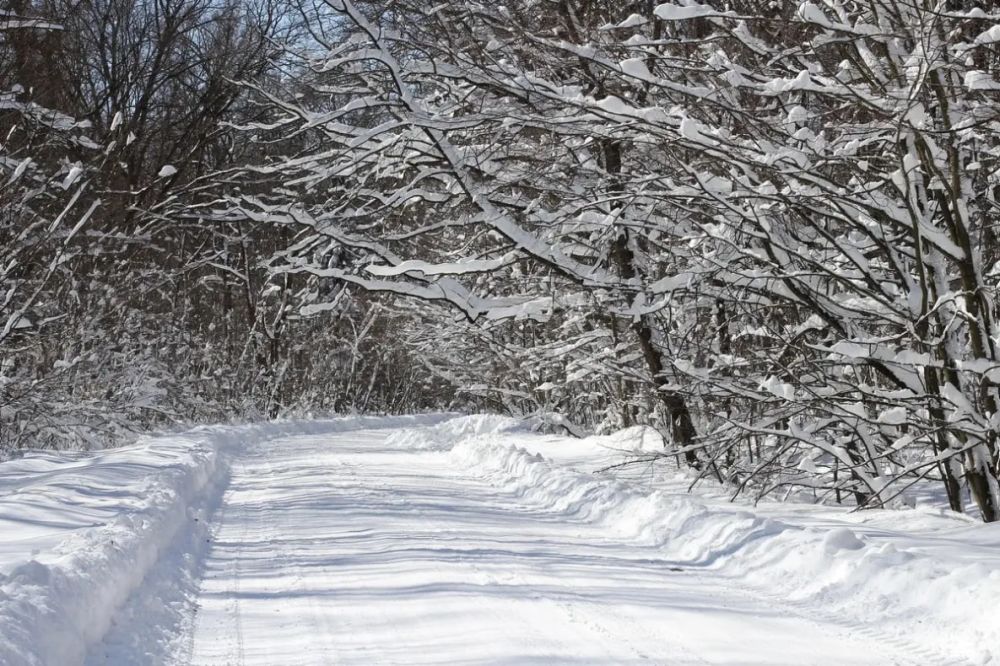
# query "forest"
(769, 230)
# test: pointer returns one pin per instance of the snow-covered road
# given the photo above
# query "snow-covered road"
(424, 540)
(341, 550)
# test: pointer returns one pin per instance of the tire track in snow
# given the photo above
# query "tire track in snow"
(237, 575)
(237, 652)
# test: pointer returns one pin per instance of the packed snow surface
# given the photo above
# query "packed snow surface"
(465, 540)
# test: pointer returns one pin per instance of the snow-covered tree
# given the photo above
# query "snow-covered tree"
(767, 229)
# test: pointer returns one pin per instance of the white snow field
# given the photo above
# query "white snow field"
(440, 540)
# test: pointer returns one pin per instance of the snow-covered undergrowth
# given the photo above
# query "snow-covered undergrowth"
(80, 532)
(941, 601)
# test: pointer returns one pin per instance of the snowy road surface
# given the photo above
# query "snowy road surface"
(396, 546)
(337, 550)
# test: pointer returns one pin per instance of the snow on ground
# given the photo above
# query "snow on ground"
(469, 540)
(80, 532)
(921, 580)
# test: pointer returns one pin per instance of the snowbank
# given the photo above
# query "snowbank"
(941, 604)
(81, 531)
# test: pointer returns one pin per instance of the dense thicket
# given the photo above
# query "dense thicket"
(767, 229)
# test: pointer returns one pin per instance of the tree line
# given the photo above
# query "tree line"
(120, 309)
(767, 230)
